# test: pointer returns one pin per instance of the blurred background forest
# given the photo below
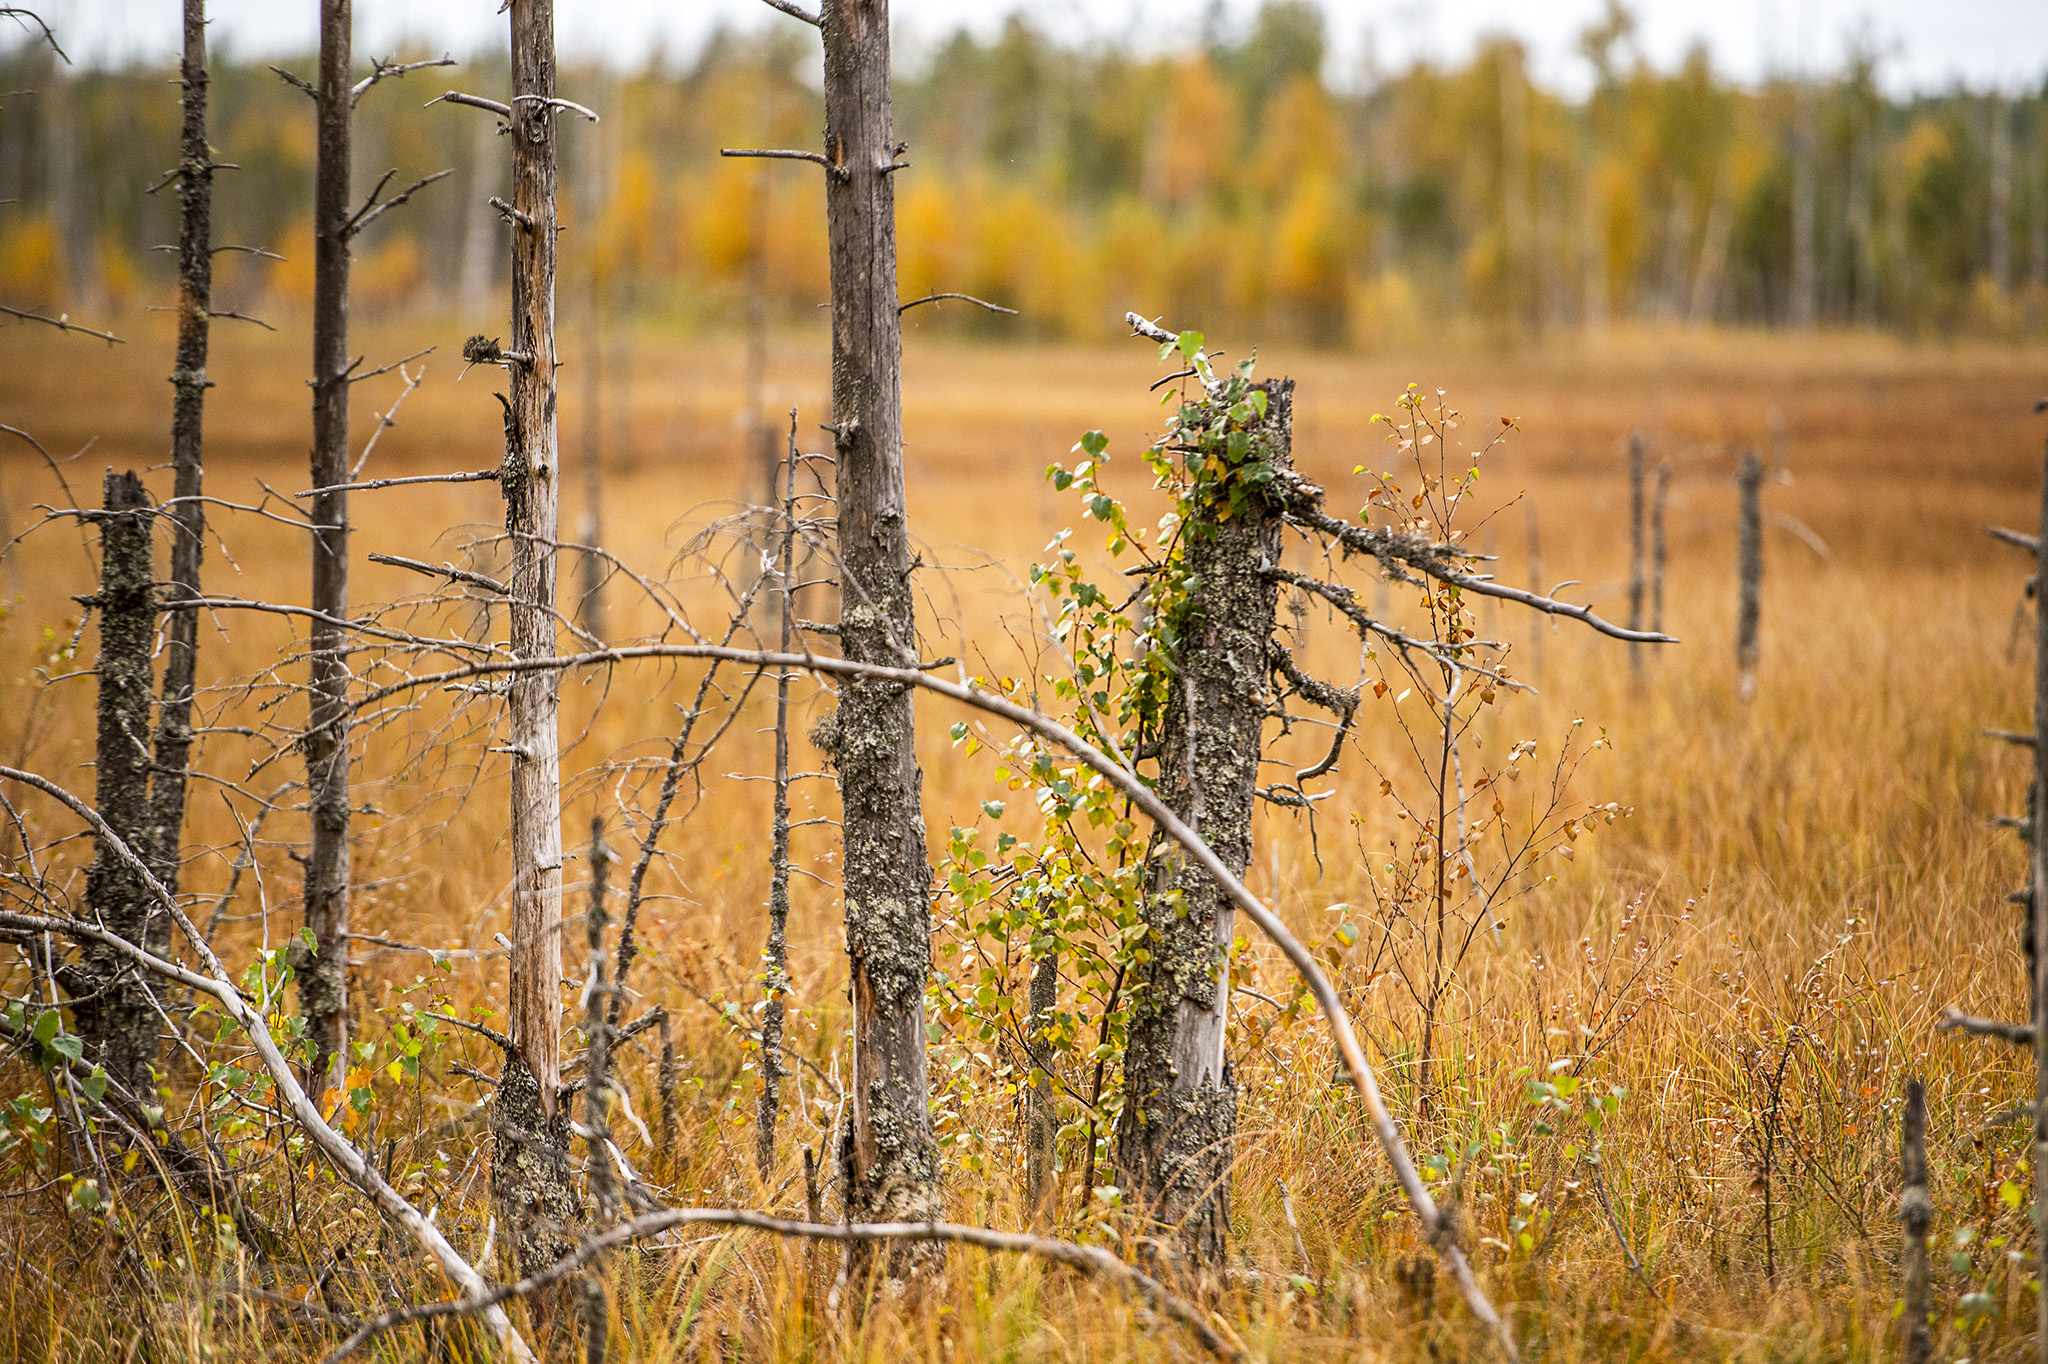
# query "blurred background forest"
(1230, 182)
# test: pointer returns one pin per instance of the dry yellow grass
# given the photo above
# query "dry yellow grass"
(1816, 867)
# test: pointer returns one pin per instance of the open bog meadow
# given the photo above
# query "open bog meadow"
(1656, 1069)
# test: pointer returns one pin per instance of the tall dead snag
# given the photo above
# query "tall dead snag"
(188, 515)
(1177, 1134)
(2037, 915)
(890, 1162)
(1750, 568)
(322, 965)
(1041, 1119)
(775, 970)
(110, 1002)
(1657, 548)
(1916, 1212)
(530, 1174)
(1635, 549)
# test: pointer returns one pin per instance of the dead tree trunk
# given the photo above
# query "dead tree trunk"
(110, 1002)
(775, 972)
(2037, 922)
(1041, 1124)
(1657, 548)
(1635, 549)
(1750, 567)
(890, 1163)
(1916, 1212)
(322, 967)
(1178, 1130)
(530, 1164)
(1538, 622)
(188, 515)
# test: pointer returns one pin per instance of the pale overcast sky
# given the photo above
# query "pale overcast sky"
(1930, 43)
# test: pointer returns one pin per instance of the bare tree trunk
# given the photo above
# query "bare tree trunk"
(1538, 621)
(1916, 1212)
(889, 1160)
(1177, 1134)
(530, 1165)
(110, 1002)
(188, 518)
(1040, 1121)
(2037, 924)
(1635, 549)
(322, 969)
(1750, 566)
(775, 975)
(1657, 548)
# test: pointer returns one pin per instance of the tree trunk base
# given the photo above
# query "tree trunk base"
(531, 1186)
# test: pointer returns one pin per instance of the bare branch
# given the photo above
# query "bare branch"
(2011, 736)
(386, 369)
(382, 70)
(448, 571)
(300, 81)
(784, 155)
(388, 418)
(795, 11)
(480, 476)
(368, 214)
(1304, 506)
(63, 323)
(511, 214)
(1953, 1020)
(902, 308)
(25, 17)
(472, 101)
(553, 102)
(1089, 1259)
(235, 317)
(2018, 538)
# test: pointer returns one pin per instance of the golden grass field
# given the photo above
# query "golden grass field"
(1756, 954)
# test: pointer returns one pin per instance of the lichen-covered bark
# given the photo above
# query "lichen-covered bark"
(891, 1162)
(1179, 1125)
(110, 1003)
(531, 1185)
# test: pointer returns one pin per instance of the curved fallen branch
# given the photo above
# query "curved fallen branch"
(220, 986)
(1439, 1229)
(1091, 1259)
